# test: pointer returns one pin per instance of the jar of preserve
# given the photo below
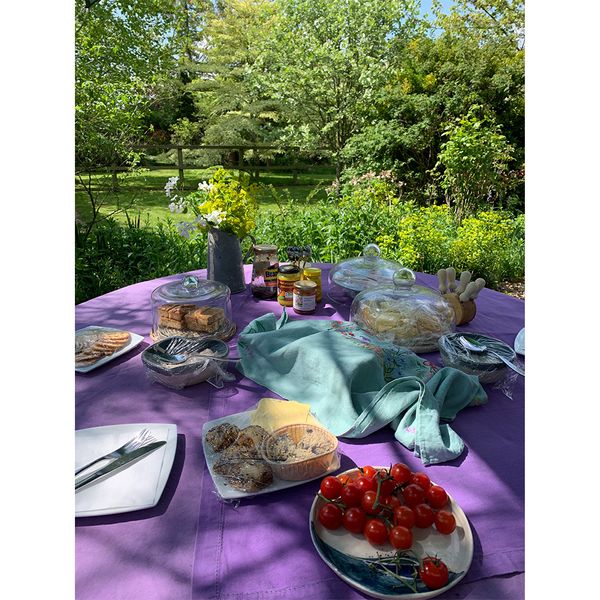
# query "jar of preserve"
(314, 274)
(265, 268)
(287, 276)
(305, 297)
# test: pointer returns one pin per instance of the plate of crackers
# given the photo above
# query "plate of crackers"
(95, 346)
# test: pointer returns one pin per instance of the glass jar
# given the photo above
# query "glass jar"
(305, 297)
(265, 267)
(192, 307)
(314, 274)
(287, 276)
(403, 313)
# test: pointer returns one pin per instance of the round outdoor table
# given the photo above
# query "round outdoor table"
(192, 545)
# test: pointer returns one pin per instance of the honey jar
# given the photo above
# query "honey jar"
(314, 274)
(305, 297)
(287, 276)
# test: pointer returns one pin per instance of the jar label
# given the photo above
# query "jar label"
(271, 277)
(305, 303)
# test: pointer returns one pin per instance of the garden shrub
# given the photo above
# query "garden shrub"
(490, 244)
(115, 255)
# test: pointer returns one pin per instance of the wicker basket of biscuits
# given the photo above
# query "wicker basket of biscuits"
(300, 451)
(192, 307)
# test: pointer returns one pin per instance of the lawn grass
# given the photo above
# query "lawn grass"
(152, 205)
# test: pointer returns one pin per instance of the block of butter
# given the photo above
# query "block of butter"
(271, 414)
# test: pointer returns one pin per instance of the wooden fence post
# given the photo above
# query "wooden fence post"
(180, 165)
(114, 180)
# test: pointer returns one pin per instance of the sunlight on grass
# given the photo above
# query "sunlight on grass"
(151, 204)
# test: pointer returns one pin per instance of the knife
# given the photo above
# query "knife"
(119, 462)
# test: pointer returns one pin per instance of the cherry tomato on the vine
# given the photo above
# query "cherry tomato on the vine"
(369, 471)
(376, 532)
(421, 479)
(351, 495)
(387, 486)
(367, 502)
(445, 522)
(331, 487)
(330, 516)
(436, 496)
(364, 484)
(413, 494)
(354, 519)
(401, 473)
(400, 537)
(424, 515)
(405, 516)
(391, 502)
(434, 573)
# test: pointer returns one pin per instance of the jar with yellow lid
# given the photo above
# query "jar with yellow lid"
(305, 297)
(314, 274)
(287, 276)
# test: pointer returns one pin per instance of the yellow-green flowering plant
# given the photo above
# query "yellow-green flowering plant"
(225, 202)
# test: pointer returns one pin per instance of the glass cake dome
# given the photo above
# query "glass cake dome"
(192, 307)
(403, 313)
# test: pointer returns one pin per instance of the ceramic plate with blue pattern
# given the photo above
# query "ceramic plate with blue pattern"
(377, 571)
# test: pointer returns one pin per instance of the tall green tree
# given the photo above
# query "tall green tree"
(228, 98)
(122, 49)
(325, 61)
(472, 56)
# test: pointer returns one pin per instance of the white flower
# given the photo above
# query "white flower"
(171, 183)
(172, 206)
(201, 221)
(216, 217)
(204, 186)
(184, 229)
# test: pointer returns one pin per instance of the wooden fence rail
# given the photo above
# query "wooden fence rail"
(254, 166)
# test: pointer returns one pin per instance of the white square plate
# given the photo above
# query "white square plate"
(135, 340)
(242, 420)
(137, 486)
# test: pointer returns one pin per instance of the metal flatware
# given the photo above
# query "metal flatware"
(179, 350)
(143, 437)
(118, 463)
(480, 348)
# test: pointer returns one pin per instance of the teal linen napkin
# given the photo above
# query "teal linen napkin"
(356, 384)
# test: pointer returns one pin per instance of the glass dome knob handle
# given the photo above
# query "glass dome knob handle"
(404, 278)
(372, 251)
(190, 283)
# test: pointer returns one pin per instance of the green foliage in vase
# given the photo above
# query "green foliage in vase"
(227, 202)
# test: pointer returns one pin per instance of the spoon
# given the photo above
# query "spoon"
(480, 348)
(219, 348)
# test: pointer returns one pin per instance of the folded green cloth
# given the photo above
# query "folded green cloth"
(356, 384)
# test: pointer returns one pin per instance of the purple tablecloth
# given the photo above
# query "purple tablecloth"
(194, 546)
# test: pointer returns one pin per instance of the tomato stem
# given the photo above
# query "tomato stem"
(336, 502)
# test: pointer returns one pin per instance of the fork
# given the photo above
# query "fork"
(142, 438)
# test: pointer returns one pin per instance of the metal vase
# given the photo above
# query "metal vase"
(225, 262)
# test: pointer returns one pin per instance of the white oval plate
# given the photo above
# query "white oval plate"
(520, 342)
(348, 554)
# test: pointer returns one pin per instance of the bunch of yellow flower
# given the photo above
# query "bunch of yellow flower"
(226, 202)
